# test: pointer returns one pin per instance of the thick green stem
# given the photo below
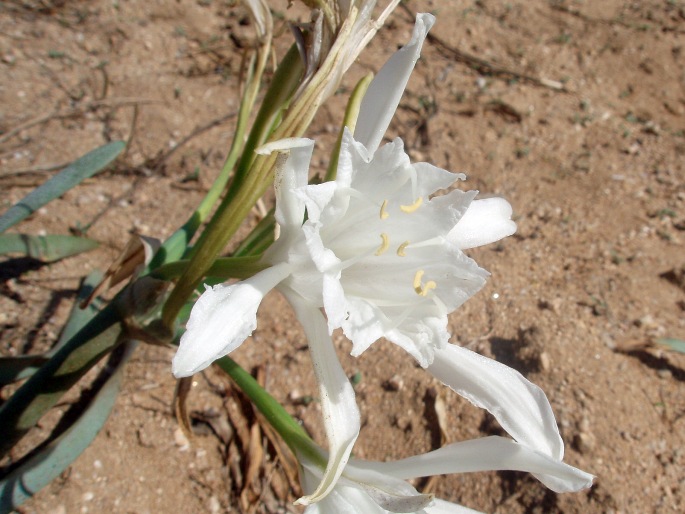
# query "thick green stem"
(176, 245)
(225, 268)
(284, 83)
(248, 186)
(225, 223)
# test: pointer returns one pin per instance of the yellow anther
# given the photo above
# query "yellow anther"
(422, 289)
(402, 248)
(384, 213)
(411, 208)
(417, 281)
(427, 287)
(384, 245)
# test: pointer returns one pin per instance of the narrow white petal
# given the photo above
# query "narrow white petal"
(485, 222)
(442, 507)
(388, 492)
(383, 96)
(520, 406)
(283, 145)
(291, 174)
(345, 500)
(489, 453)
(340, 412)
(221, 319)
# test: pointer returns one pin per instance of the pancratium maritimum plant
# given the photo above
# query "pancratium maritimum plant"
(384, 258)
(376, 250)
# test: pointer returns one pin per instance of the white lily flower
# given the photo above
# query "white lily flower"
(390, 254)
(367, 487)
(391, 257)
(384, 259)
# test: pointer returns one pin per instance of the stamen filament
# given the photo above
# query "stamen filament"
(354, 260)
(428, 242)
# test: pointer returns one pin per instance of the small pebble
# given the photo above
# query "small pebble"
(394, 383)
(181, 440)
(545, 361)
(665, 373)
(584, 442)
(646, 321)
(214, 504)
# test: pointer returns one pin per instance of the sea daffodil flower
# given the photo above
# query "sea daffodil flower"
(367, 487)
(384, 258)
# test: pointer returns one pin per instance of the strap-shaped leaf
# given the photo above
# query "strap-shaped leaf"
(20, 367)
(45, 248)
(23, 366)
(54, 378)
(677, 345)
(47, 462)
(76, 172)
(78, 317)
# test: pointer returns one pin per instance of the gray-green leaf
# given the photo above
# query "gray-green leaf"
(677, 345)
(75, 173)
(45, 248)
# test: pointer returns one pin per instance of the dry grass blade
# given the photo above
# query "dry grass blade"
(137, 251)
(180, 402)
(283, 454)
(287, 459)
(255, 459)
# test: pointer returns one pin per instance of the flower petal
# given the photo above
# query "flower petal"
(383, 96)
(345, 500)
(340, 412)
(221, 319)
(389, 493)
(365, 491)
(485, 222)
(520, 406)
(290, 175)
(488, 453)
(442, 507)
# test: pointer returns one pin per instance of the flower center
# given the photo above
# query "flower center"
(421, 288)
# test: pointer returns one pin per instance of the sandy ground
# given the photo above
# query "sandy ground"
(574, 111)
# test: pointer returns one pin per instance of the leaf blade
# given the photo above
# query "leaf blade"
(677, 345)
(48, 248)
(81, 169)
(46, 464)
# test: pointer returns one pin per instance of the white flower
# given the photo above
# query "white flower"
(390, 254)
(384, 258)
(379, 487)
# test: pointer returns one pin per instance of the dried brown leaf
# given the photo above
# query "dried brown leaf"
(181, 392)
